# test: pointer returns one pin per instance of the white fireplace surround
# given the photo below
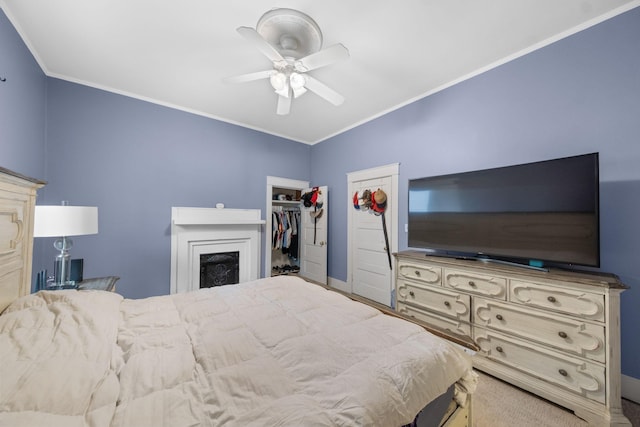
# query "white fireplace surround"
(200, 231)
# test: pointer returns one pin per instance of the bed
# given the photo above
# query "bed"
(273, 352)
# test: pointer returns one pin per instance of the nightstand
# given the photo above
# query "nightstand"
(99, 283)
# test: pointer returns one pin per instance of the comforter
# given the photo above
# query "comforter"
(277, 351)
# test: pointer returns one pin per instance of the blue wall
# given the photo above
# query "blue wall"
(135, 160)
(22, 105)
(579, 95)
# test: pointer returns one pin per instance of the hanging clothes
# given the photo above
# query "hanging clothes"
(293, 243)
(285, 230)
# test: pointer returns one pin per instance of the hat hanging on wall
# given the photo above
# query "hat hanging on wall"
(316, 214)
(356, 201)
(379, 201)
(306, 199)
(373, 201)
(312, 198)
(365, 200)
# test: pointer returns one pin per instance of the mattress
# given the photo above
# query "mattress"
(276, 351)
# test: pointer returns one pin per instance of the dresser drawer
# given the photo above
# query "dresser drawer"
(479, 284)
(574, 335)
(435, 299)
(562, 300)
(439, 322)
(422, 273)
(581, 377)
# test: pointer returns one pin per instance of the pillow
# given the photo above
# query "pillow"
(100, 283)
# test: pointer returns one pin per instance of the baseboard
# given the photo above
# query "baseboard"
(338, 285)
(631, 388)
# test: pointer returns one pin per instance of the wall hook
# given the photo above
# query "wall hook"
(3, 79)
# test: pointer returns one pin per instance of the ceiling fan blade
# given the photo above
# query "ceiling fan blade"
(334, 53)
(259, 42)
(242, 78)
(284, 105)
(323, 90)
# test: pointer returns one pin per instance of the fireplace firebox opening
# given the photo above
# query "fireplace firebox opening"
(219, 269)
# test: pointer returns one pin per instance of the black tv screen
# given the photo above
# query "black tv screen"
(545, 211)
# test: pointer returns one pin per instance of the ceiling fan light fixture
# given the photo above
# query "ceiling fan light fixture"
(278, 81)
(300, 67)
(297, 80)
(299, 91)
(283, 92)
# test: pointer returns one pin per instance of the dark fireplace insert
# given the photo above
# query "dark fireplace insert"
(219, 269)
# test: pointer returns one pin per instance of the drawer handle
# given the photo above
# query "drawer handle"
(472, 283)
(551, 299)
(562, 334)
(499, 317)
(563, 372)
(447, 303)
(412, 294)
(499, 349)
(417, 273)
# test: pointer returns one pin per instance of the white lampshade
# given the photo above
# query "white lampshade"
(57, 221)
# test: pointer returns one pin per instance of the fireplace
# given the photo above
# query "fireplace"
(219, 269)
(215, 236)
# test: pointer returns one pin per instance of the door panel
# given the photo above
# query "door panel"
(313, 241)
(372, 261)
(368, 285)
(370, 238)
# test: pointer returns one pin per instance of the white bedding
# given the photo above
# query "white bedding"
(277, 351)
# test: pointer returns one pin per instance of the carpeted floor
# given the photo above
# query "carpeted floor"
(497, 404)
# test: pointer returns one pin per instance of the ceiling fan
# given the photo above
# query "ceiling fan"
(292, 41)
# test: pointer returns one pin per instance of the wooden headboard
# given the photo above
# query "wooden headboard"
(17, 202)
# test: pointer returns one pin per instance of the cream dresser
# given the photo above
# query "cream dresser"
(553, 333)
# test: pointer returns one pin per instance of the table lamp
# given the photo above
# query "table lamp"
(63, 221)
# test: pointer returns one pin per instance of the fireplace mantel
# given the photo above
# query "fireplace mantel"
(215, 216)
(198, 231)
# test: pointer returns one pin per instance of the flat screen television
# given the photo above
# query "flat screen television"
(534, 213)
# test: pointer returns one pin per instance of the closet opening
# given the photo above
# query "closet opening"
(283, 230)
(285, 255)
(292, 221)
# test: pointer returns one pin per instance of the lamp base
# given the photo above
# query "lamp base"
(53, 286)
(62, 265)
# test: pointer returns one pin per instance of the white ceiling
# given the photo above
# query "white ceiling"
(177, 53)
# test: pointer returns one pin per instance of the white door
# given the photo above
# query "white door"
(313, 241)
(371, 267)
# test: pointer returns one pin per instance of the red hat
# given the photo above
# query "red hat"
(379, 201)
